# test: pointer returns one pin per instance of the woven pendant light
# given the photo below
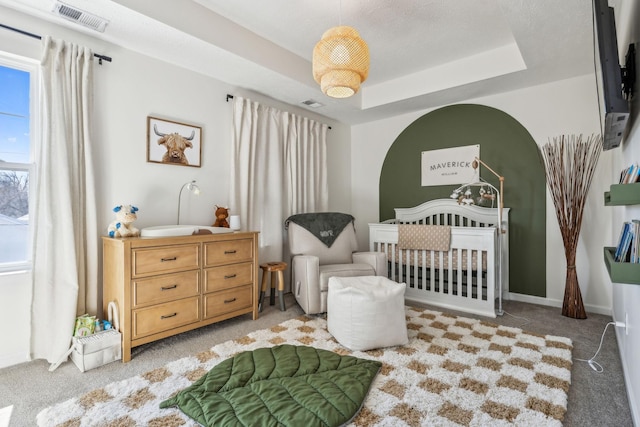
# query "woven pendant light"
(340, 62)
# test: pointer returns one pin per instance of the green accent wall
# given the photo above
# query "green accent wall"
(508, 148)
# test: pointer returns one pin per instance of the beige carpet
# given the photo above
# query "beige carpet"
(454, 371)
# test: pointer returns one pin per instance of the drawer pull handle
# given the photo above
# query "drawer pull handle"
(168, 259)
(169, 315)
(227, 301)
(231, 276)
(230, 252)
(166, 288)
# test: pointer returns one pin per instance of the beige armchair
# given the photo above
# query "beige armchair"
(313, 262)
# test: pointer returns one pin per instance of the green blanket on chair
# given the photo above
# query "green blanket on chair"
(326, 226)
(286, 385)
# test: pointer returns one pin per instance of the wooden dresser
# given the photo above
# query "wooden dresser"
(168, 285)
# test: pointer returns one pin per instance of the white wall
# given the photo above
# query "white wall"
(626, 297)
(128, 90)
(549, 110)
(135, 86)
(15, 318)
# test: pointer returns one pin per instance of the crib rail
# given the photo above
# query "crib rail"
(464, 278)
(448, 212)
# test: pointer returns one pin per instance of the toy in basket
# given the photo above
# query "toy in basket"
(100, 348)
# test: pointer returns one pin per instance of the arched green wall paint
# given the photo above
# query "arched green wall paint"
(507, 147)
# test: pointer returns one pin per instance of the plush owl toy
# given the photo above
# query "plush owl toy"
(123, 225)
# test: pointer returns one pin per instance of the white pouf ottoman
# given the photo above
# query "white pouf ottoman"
(366, 312)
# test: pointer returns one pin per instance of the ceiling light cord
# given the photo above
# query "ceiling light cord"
(595, 365)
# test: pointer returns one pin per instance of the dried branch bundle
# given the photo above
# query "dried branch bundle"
(570, 163)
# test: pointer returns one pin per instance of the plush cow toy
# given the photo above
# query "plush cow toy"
(221, 217)
(123, 225)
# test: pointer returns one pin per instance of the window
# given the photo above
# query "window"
(18, 90)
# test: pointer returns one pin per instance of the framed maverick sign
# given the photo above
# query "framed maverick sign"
(449, 165)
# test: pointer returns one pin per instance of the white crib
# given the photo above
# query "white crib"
(473, 276)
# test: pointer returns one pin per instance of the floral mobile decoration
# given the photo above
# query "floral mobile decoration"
(486, 193)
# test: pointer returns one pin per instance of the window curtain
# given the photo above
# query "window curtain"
(65, 233)
(278, 168)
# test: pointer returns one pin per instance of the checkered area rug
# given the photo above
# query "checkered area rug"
(453, 372)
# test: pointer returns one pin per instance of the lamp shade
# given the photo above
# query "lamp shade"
(340, 62)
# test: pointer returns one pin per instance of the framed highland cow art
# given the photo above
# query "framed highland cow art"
(173, 143)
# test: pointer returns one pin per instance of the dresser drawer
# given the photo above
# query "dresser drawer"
(227, 252)
(165, 259)
(163, 317)
(218, 303)
(171, 287)
(228, 276)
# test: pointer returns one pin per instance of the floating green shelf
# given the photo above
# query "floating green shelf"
(623, 194)
(621, 272)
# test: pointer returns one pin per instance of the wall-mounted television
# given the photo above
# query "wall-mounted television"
(614, 105)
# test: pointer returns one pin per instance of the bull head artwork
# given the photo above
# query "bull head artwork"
(175, 145)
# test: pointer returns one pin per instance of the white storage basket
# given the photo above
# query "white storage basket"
(100, 348)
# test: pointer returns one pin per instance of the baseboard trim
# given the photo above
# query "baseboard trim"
(633, 402)
(531, 299)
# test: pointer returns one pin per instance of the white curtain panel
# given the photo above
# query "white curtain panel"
(278, 168)
(65, 234)
(306, 159)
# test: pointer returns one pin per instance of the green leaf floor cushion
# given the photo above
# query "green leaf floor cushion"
(286, 385)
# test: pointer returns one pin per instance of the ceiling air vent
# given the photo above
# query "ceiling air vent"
(80, 16)
(311, 103)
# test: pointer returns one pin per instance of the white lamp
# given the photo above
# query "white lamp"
(191, 186)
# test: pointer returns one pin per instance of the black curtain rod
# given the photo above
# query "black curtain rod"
(231, 97)
(35, 36)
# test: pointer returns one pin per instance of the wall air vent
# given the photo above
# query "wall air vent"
(80, 16)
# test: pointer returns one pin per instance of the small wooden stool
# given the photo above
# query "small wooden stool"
(273, 268)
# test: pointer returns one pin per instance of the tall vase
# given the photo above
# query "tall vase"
(572, 305)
